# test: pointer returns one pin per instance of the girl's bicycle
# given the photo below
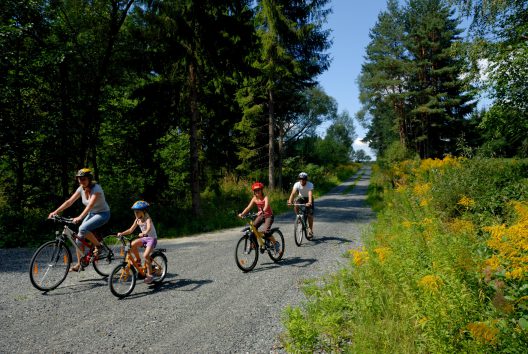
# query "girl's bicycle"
(247, 248)
(51, 262)
(300, 228)
(123, 277)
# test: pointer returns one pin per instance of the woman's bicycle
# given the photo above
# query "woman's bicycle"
(123, 277)
(51, 262)
(300, 228)
(247, 248)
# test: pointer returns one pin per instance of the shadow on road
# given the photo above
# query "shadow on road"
(336, 240)
(84, 285)
(289, 261)
(167, 285)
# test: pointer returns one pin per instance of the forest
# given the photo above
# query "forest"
(185, 103)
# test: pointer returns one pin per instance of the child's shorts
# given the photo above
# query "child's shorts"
(149, 241)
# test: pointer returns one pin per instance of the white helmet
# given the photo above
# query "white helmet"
(303, 175)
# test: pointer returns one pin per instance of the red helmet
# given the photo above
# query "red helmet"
(257, 185)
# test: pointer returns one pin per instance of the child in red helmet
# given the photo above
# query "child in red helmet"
(265, 214)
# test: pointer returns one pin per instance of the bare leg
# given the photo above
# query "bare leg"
(148, 261)
(91, 237)
(135, 249)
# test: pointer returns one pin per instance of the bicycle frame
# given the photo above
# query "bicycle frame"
(72, 236)
(302, 214)
(132, 262)
(258, 234)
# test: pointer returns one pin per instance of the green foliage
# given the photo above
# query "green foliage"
(423, 282)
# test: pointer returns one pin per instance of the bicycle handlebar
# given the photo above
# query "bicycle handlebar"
(62, 219)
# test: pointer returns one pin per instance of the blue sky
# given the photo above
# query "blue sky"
(350, 23)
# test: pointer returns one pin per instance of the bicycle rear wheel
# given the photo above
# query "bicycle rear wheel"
(122, 280)
(159, 267)
(299, 231)
(246, 253)
(276, 241)
(49, 265)
(308, 237)
(112, 254)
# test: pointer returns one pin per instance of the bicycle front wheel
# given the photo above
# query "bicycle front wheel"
(276, 251)
(50, 265)
(299, 231)
(159, 267)
(246, 253)
(122, 280)
(112, 253)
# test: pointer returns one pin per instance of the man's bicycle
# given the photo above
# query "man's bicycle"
(123, 277)
(300, 227)
(253, 241)
(51, 262)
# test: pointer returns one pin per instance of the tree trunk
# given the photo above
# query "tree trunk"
(271, 142)
(279, 157)
(194, 148)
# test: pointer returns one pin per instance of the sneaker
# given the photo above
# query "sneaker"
(148, 279)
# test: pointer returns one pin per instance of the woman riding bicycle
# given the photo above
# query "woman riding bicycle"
(304, 190)
(95, 214)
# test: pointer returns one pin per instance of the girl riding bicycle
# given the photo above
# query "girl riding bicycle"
(265, 214)
(148, 237)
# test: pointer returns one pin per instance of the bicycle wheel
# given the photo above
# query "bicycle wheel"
(122, 280)
(50, 265)
(159, 266)
(308, 237)
(277, 246)
(246, 253)
(112, 254)
(299, 231)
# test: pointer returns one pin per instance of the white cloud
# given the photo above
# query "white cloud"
(359, 145)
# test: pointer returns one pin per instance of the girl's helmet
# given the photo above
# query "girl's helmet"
(85, 172)
(257, 185)
(140, 205)
(303, 175)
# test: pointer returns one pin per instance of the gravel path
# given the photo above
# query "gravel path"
(205, 305)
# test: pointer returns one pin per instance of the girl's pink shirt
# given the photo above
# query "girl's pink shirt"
(260, 205)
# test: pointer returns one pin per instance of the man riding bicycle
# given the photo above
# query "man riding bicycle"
(304, 190)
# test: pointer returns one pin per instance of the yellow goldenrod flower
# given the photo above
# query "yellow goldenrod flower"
(510, 245)
(431, 282)
(383, 253)
(422, 189)
(407, 224)
(460, 226)
(466, 202)
(483, 332)
(359, 256)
